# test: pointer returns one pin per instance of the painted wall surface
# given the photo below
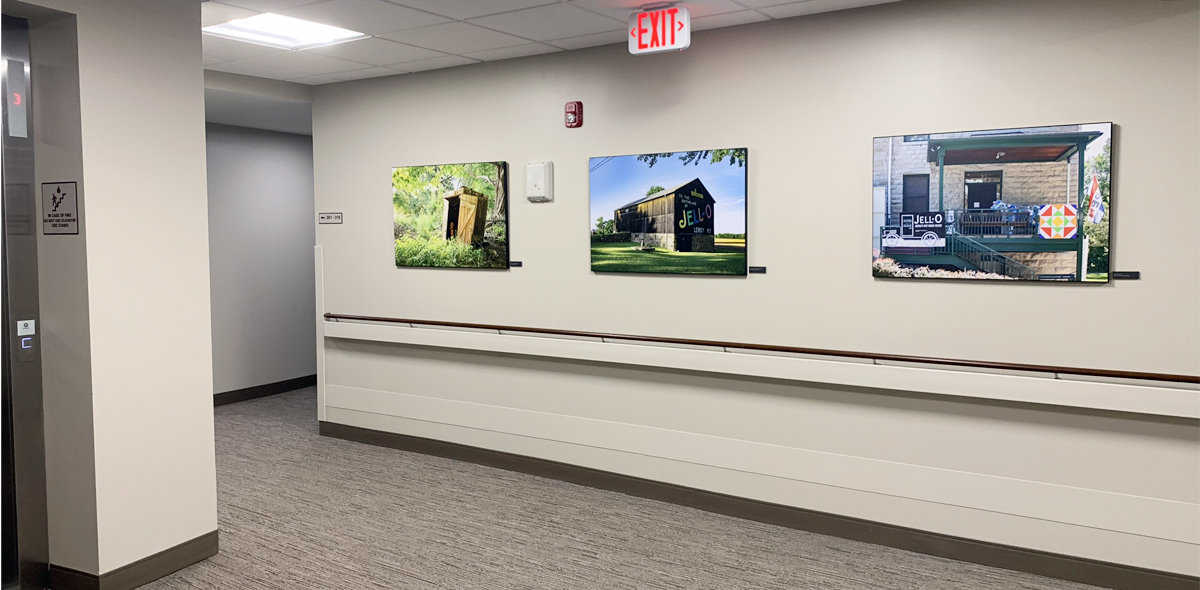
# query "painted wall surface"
(261, 236)
(141, 112)
(258, 103)
(807, 96)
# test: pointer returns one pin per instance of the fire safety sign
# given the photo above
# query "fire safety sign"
(60, 208)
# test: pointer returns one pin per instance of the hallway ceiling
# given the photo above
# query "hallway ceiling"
(415, 35)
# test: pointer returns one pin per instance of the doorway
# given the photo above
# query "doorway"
(916, 193)
(983, 189)
(451, 218)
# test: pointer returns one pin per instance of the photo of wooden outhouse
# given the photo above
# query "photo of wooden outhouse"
(451, 215)
(464, 216)
(679, 219)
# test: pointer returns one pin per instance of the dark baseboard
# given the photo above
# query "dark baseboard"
(140, 572)
(65, 578)
(248, 393)
(1065, 567)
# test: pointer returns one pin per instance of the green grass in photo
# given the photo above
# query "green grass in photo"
(729, 259)
(440, 253)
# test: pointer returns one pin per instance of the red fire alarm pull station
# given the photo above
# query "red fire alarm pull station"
(574, 114)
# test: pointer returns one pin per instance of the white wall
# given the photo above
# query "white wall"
(806, 96)
(141, 113)
(258, 103)
(261, 236)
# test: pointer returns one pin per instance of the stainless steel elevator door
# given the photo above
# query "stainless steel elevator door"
(24, 496)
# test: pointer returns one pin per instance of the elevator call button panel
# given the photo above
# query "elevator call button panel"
(26, 340)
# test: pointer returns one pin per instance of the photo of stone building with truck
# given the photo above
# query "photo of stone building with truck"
(1010, 203)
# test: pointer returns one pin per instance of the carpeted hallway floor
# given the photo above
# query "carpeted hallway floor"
(299, 511)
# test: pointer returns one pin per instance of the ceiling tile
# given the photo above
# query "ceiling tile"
(268, 5)
(446, 61)
(762, 3)
(463, 9)
(287, 65)
(814, 6)
(372, 17)
(329, 78)
(621, 9)
(511, 52)
(456, 38)
(222, 49)
(376, 52)
(553, 21)
(728, 19)
(414, 35)
(318, 80)
(799, 8)
(215, 13)
(347, 76)
(594, 40)
(233, 68)
(367, 73)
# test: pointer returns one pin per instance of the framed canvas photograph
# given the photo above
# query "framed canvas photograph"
(669, 212)
(1022, 204)
(451, 215)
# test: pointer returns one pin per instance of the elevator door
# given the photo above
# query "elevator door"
(24, 497)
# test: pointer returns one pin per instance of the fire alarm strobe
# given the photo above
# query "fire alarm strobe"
(573, 114)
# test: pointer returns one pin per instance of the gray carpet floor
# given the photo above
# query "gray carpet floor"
(300, 511)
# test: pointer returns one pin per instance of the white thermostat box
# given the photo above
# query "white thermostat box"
(539, 181)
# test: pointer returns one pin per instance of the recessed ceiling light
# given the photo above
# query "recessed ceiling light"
(286, 32)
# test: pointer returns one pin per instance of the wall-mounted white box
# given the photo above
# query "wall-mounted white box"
(539, 181)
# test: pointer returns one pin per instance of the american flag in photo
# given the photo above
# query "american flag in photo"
(1096, 203)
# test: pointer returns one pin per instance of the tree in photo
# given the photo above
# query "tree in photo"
(736, 156)
(1097, 234)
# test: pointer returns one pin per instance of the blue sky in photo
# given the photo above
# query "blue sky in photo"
(624, 179)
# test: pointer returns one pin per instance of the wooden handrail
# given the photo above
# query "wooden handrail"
(794, 349)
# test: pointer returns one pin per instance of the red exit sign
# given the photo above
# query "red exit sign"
(662, 29)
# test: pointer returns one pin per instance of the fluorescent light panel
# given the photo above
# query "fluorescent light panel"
(281, 31)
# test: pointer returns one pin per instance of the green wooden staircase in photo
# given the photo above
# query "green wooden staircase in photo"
(965, 253)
